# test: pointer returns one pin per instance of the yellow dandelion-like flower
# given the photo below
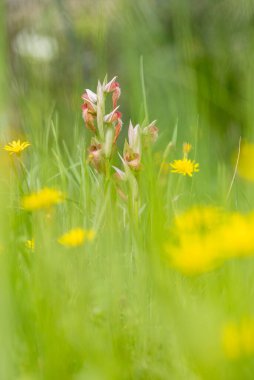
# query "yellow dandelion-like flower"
(184, 167)
(16, 147)
(186, 149)
(30, 244)
(44, 198)
(76, 237)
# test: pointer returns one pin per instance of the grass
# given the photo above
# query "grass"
(138, 301)
(114, 307)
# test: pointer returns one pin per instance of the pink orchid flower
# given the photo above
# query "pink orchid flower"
(88, 117)
(113, 87)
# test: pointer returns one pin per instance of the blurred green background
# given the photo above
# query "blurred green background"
(198, 68)
(198, 63)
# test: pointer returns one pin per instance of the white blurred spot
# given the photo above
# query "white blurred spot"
(37, 46)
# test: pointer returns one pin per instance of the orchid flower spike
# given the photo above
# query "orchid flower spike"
(113, 87)
(134, 138)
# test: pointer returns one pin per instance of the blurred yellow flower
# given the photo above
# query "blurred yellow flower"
(16, 147)
(198, 219)
(30, 244)
(76, 237)
(246, 161)
(238, 339)
(195, 255)
(204, 237)
(193, 249)
(236, 235)
(41, 199)
(184, 166)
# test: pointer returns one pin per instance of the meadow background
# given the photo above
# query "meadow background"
(115, 308)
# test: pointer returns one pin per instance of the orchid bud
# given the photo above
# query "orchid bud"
(131, 179)
(134, 138)
(118, 128)
(112, 116)
(91, 95)
(90, 98)
(108, 86)
(113, 87)
(116, 94)
(88, 117)
(133, 159)
(151, 132)
(96, 156)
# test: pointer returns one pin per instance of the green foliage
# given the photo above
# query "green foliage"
(115, 308)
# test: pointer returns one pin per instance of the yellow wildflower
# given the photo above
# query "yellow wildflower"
(198, 219)
(30, 244)
(43, 198)
(238, 339)
(194, 255)
(246, 161)
(194, 249)
(236, 235)
(16, 147)
(184, 167)
(76, 237)
(204, 237)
